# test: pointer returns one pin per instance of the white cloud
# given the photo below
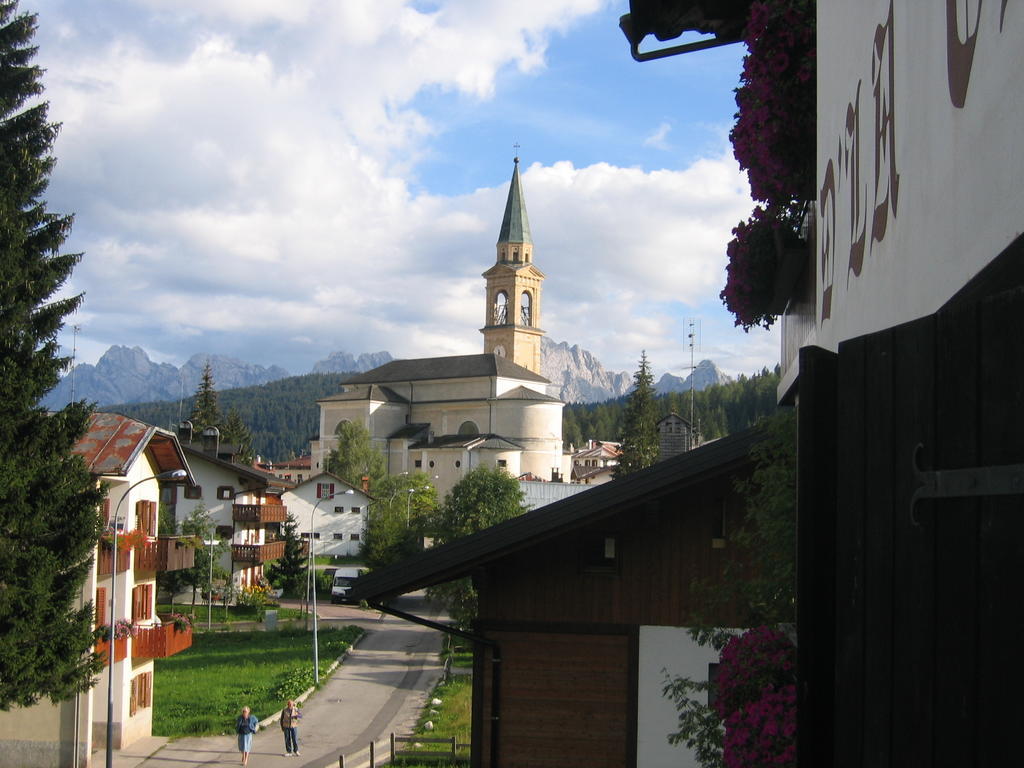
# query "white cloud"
(249, 190)
(658, 138)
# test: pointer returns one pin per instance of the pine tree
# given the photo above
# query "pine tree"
(288, 572)
(48, 500)
(640, 428)
(235, 432)
(205, 412)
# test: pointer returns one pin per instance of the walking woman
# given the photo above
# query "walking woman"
(246, 726)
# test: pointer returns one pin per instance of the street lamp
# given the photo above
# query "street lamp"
(171, 474)
(312, 571)
(408, 500)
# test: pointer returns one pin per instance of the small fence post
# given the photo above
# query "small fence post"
(392, 747)
(373, 761)
(341, 761)
(453, 746)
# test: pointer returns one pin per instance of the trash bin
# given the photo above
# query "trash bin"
(270, 620)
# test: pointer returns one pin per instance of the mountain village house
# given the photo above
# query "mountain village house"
(330, 511)
(126, 455)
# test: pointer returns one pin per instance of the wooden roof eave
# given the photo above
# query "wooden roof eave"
(461, 557)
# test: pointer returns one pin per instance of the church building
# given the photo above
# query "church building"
(446, 415)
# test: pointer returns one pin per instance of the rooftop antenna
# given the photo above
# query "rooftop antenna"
(693, 337)
(74, 354)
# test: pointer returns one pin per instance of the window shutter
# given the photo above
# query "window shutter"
(153, 507)
(330, 489)
(319, 490)
(101, 606)
(140, 515)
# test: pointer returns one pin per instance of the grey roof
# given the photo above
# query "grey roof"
(488, 440)
(515, 226)
(525, 393)
(457, 367)
(409, 431)
(458, 558)
(373, 392)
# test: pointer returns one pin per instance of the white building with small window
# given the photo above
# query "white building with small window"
(330, 512)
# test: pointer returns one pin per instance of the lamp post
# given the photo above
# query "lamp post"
(312, 571)
(172, 474)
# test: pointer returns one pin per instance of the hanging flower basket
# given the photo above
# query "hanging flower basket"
(765, 259)
(774, 138)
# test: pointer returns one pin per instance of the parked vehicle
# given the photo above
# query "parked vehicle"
(343, 578)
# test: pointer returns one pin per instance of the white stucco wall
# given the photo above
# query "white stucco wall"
(922, 167)
(665, 649)
(301, 502)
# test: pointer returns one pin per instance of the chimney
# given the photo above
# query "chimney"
(185, 432)
(211, 440)
(366, 483)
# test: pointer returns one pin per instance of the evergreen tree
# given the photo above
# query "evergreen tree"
(235, 432)
(355, 456)
(205, 412)
(48, 500)
(640, 430)
(288, 572)
(200, 527)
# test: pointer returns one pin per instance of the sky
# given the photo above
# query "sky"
(277, 181)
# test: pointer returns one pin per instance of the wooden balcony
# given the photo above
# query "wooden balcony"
(257, 553)
(147, 557)
(120, 649)
(259, 513)
(105, 559)
(174, 554)
(160, 642)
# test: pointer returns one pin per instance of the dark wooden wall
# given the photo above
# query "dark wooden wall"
(662, 546)
(929, 615)
(567, 700)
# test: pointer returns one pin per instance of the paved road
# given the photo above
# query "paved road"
(380, 688)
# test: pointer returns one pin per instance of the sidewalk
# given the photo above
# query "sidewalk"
(381, 687)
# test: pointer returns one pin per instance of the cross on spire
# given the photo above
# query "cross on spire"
(516, 147)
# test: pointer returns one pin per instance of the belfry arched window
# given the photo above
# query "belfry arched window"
(501, 308)
(526, 309)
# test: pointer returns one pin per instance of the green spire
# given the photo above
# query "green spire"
(515, 226)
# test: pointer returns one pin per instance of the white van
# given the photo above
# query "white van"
(343, 578)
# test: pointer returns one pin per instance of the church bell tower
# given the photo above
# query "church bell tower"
(512, 322)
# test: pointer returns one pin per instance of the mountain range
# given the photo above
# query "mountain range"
(127, 375)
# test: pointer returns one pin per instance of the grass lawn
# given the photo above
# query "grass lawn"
(452, 717)
(338, 560)
(233, 612)
(200, 691)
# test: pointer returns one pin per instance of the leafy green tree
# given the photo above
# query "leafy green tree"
(640, 431)
(200, 527)
(205, 411)
(486, 496)
(355, 456)
(48, 500)
(398, 513)
(235, 432)
(288, 572)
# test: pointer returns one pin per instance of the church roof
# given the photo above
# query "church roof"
(525, 393)
(427, 368)
(488, 440)
(373, 392)
(515, 226)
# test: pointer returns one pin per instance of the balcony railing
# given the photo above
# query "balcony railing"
(147, 557)
(173, 554)
(259, 513)
(160, 642)
(105, 559)
(257, 553)
(120, 649)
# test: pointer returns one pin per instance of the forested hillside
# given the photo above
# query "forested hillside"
(282, 415)
(718, 410)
